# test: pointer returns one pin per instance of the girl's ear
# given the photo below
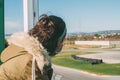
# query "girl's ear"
(59, 47)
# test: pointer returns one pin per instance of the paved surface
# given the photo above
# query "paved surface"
(63, 73)
(107, 55)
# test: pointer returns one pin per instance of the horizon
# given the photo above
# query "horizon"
(77, 32)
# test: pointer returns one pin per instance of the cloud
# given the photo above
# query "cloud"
(13, 26)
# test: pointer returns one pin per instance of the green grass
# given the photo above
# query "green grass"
(65, 59)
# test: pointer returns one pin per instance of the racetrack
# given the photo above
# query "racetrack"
(63, 73)
(107, 55)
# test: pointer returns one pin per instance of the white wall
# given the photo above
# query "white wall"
(92, 43)
(114, 42)
(99, 43)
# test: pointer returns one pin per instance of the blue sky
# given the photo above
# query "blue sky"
(79, 15)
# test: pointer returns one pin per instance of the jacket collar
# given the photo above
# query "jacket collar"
(31, 45)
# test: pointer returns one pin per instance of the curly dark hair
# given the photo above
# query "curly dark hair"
(48, 30)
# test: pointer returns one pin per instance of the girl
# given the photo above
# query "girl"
(27, 56)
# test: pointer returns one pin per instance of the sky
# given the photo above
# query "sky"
(79, 15)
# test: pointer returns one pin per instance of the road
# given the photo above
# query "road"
(109, 56)
(63, 73)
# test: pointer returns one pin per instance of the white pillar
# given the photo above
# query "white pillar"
(31, 13)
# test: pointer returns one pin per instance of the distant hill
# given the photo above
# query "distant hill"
(7, 35)
(106, 32)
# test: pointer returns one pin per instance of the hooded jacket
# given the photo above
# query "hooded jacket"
(23, 59)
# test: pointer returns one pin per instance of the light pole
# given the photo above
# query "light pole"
(31, 13)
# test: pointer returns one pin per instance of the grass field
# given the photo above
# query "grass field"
(65, 59)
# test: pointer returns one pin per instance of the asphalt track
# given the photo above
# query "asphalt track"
(109, 56)
(63, 73)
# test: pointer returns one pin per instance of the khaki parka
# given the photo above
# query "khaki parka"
(23, 59)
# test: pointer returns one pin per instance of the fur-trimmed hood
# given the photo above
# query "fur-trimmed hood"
(33, 47)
